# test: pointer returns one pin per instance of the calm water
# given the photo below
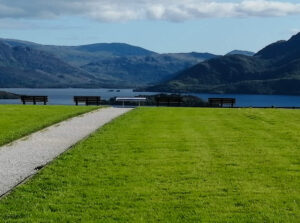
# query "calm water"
(65, 96)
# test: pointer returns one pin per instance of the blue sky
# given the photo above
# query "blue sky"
(163, 26)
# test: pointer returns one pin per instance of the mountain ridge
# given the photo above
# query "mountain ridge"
(114, 64)
(270, 71)
(22, 66)
(241, 52)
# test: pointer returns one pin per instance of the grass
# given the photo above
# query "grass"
(17, 121)
(172, 165)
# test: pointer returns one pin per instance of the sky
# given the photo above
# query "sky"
(164, 26)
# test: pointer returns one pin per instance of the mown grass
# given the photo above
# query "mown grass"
(172, 165)
(17, 121)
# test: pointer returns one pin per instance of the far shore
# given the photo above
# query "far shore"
(7, 95)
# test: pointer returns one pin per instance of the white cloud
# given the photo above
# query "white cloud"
(124, 10)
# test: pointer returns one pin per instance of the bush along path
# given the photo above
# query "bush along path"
(24, 157)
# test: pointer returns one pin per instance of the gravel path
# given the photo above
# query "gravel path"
(24, 157)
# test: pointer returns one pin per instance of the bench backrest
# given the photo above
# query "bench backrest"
(34, 98)
(87, 98)
(221, 101)
(133, 99)
(168, 99)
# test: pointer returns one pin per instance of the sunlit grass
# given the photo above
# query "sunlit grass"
(18, 120)
(172, 165)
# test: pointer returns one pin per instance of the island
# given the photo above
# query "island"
(7, 95)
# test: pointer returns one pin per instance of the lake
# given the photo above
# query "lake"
(65, 96)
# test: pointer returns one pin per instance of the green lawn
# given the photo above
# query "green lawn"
(18, 120)
(172, 165)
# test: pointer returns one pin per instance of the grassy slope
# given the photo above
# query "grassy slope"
(172, 165)
(17, 121)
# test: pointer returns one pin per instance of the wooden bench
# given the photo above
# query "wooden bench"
(34, 99)
(168, 100)
(88, 100)
(221, 102)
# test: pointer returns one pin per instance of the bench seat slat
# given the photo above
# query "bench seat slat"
(168, 100)
(88, 100)
(221, 101)
(34, 99)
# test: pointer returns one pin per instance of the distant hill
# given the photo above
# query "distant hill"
(116, 49)
(81, 55)
(23, 66)
(7, 95)
(109, 64)
(273, 70)
(241, 52)
(192, 56)
(143, 70)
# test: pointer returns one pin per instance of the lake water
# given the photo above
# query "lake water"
(65, 96)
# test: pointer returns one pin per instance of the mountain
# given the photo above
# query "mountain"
(192, 56)
(113, 64)
(116, 49)
(23, 66)
(81, 55)
(273, 70)
(241, 52)
(144, 70)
